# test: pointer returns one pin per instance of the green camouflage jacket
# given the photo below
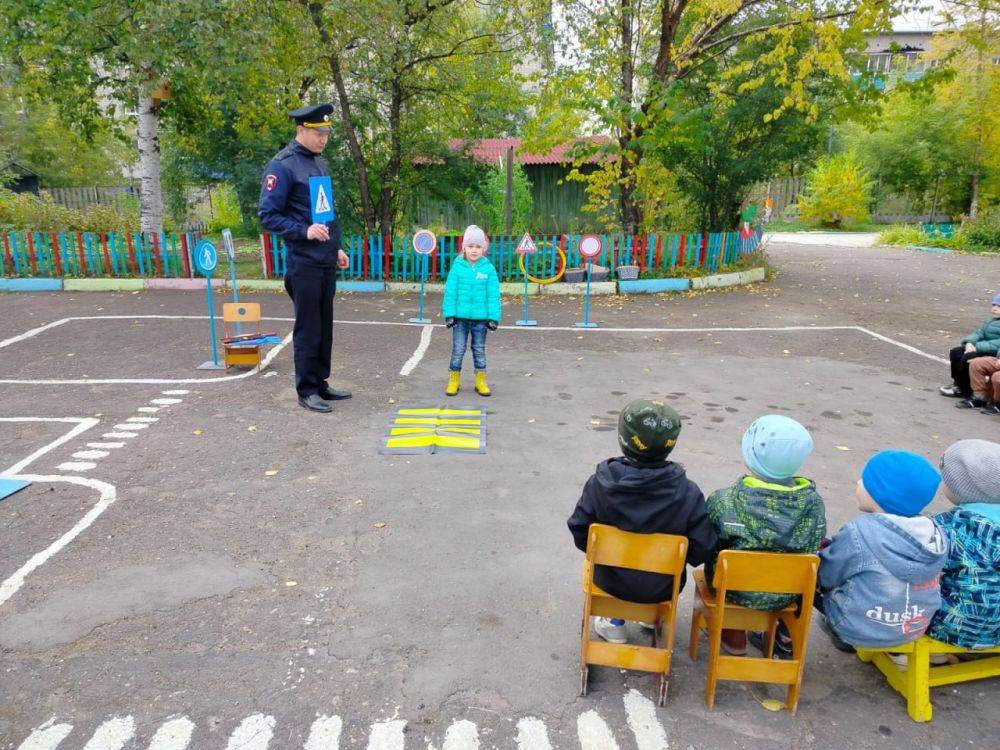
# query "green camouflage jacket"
(757, 515)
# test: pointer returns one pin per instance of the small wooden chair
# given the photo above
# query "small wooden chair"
(243, 313)
(654, 553)
(915, 682)
(771, 572)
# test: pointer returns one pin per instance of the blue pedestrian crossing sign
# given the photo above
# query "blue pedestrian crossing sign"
(321, 198)
(205, 257)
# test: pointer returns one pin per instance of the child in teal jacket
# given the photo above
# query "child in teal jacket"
(471, 307)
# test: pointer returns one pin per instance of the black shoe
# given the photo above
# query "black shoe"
(329, 394)
(991, 409)
(836, 640)
(782, 642)
(971, 403)
(951, 391)
(313, 402)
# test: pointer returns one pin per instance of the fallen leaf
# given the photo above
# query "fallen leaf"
(359, 502)
(842, 448)
(785, 351)
(772, 704)
(527, 374)
(392, 400)
(99, 414)
(252, 428)
(531, 420)
(196, 432)
(270, 472)
(380, 525)
(311, 477)
(291, 583)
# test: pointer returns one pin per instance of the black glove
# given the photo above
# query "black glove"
(449, 322)
(492, 325)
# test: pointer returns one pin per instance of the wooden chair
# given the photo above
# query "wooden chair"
(771, 572)
(654, 553)
(915, 682)
(244, 313)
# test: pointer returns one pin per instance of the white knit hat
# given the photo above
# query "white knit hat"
(971, 469)
(474, 236)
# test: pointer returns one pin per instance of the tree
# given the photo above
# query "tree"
(633, 55)
(838, 190)
(112, 58)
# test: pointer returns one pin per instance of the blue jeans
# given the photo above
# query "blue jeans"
(459, 339)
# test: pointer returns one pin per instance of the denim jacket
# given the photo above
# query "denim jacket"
(879, 578)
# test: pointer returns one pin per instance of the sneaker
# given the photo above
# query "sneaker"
(971, 403)
(609, 631)
(782, 642)
(838, 643)
(936, 660)
(991, 409)
(952, 391)
(647, 625)
(734, 642)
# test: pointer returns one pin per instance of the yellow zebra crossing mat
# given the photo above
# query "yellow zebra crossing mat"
(421, 430)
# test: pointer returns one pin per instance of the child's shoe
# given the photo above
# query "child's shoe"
(971, 403)
(782, 642)
(991, 409)
(454, 381)
(609, 631)
(937, 660)
(734, 642)
(481, 386)
(952, 391)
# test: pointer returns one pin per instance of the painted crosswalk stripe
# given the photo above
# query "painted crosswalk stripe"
(173, 735)
(532, 734)
(641, 714)
(165, 401)
(148, 420)
(131, 426)
(148, 409)
(594, 733)
(113, 734)
(105, 445)
(253, 733)
(47, 736)
(76, 466)
(387, 735)
(120, 435)
(175, 393)
(90, 454)
(324, 734)
(461, 735)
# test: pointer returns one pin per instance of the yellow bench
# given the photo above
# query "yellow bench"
(915, 682)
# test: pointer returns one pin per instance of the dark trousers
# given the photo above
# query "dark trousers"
(311, 289)
(960, 369)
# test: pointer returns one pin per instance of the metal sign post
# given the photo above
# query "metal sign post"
(526, 247)
(424, 242)
(205, 260)
(227, 240)
(590, 248)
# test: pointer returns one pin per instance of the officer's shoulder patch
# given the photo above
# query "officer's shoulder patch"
(270, 181)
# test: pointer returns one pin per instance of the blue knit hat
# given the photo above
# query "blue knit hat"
(996, 300)
(900, 482)
(775, 447)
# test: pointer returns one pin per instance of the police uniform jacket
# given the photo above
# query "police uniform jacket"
(286, 208)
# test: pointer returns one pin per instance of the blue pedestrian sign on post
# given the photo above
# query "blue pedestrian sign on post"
(321, 199)
(424, 242)
(206, 258)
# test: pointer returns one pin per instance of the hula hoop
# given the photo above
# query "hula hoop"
(558, 275)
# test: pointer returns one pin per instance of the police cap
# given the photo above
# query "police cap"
(316, 117)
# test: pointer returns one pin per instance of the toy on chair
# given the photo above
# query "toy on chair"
(244, 349)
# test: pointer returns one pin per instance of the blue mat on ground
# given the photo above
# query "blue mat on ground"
(9, 486)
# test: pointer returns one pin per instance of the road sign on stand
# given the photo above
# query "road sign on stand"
(526, 247)
(205, 260)
(590, 247)
(424, 242)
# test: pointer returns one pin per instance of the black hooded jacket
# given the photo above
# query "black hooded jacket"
(654, 498)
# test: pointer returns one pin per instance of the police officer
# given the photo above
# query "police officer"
(313, 255)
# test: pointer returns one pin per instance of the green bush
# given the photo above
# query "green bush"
(839, 191)
(901, 234)
(225, 210)
(26, 212)
(984, 231)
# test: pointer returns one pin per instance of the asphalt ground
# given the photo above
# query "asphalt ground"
(258, 566)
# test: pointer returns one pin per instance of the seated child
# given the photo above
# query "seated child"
(878, 575)
(641, 491)
(983, 342)
(984, 374)
(970, 583)
(770, 509)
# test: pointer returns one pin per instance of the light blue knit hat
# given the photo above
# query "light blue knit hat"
(775, 447)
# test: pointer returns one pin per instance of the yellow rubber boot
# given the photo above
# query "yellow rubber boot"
(481, 387)
(454, 381)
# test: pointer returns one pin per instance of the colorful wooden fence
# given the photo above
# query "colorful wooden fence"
(134, 254)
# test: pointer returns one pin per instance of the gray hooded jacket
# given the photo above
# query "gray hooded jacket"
(879, 577)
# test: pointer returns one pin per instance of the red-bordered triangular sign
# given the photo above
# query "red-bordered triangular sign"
(527, 245)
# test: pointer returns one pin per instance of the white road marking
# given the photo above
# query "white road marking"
(461, 735)
(76, 466)
(148, 409)
(112, 734)
(120, 435)
(414, 360)
(175, 393)
(144, 420)
(324, 734)
(594, 733)
(532, 734)
(641, 714)
(253, 733)
(901, 345)
(165, 401)
(82, 425)
(387, 735)
(105, 445)
(108, 494)
(173, 734)
(47, 736)
(33, 332)
(131, 426)
(90, 454)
